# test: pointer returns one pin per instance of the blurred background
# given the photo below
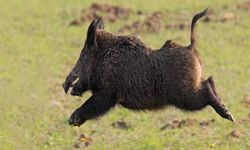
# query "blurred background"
(40, 41)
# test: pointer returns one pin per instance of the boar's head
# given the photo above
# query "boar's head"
(82, 68)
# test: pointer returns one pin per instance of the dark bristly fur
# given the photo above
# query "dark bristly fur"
(123, 70)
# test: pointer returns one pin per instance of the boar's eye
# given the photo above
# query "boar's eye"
(84, 58)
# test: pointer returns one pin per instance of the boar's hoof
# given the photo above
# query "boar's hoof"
(226, 114)
(76, 119)
(215, 102)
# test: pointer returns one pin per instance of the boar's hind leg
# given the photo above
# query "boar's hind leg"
(97, 105)
(211, 82)
(215, 101)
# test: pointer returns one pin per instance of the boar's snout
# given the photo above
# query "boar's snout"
(69, 82)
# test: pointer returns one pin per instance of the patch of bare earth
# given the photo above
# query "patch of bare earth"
(244, 5)
(121, 124)
(149, 22)
(246, 101)
(83, 141)
(152, 23)
(213, 16)
(186, 123)
(110, 13)
(235, 133)
(178, 25)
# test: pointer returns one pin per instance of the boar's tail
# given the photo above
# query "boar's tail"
(193, 25)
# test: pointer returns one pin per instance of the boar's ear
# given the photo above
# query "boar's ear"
(91, 35)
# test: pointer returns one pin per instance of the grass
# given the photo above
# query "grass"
(38, 49)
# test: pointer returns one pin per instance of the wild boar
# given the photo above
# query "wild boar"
(123, 70)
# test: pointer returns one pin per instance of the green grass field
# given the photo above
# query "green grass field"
(38, 49)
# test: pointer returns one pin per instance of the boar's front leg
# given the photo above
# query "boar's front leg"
(97, 105)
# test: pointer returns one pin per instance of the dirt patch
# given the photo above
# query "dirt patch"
(147, 22)
(178, 25)
(186, 123)
(110, 13)
(152, 23)
(212, 16)
(235, 133)
(206, 122)
(227, 16)
(121, 124)
(83, 141)
(246, 101)
(179, 124)
(244, 5)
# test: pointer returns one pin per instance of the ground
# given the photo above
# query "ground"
(39, 46)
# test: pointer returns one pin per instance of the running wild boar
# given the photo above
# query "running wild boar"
(123, 70)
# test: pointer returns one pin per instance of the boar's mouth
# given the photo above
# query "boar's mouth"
(69, 82)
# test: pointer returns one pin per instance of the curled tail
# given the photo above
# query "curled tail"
(193, 25)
